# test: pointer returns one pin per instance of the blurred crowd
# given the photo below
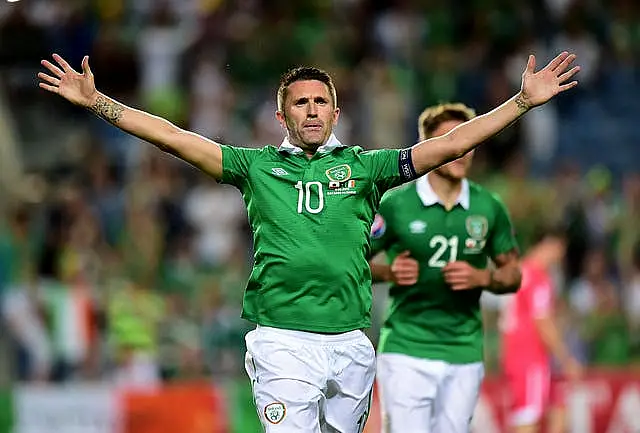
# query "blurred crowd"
(119, 262)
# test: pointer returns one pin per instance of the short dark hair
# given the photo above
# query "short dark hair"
(303, 73)
(432, 117)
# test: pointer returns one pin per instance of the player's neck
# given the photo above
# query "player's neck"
(309, 151)
(447, 190)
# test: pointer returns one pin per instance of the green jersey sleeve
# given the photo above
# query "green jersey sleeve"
(502, 239)
(236, 162)
(384, 166)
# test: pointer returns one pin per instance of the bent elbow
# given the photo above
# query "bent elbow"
(515, 287)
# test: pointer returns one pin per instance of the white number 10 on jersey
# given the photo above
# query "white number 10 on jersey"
(443, 244)
(304, 196)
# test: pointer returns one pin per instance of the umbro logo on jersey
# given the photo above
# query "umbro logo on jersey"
(279, 171)
(417, 226)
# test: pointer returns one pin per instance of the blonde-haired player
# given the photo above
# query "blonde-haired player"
(439, 233)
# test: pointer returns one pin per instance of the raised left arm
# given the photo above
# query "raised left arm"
(537, 88)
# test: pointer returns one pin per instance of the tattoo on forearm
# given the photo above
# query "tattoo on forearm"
(108, 110)
(523, 105)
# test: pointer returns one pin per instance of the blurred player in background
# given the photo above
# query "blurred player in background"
(530, 338)
(439, 233)
(311, 203)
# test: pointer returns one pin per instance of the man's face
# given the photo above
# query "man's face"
(308, 114)
(455, 170)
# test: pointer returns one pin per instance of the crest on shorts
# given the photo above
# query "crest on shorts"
(339, 173)
(477, 227)
(275, 412)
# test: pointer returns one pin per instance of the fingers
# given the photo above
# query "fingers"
(454, 266)
(531, 64)
(453, 278)
(52, 68)
(458, 276)
(568, 86)
(553, 64)
(457, 281)
(402, 267)
(565, 63)
(85, 66)
(406, 280)
(403, 262)
(459, 284)
(52, 89)
(405, 269)
(406, 274)
(49, 79)
(63, 63)
(570, 73)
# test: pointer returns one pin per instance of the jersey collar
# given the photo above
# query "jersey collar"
(429, 197)
(331, 144)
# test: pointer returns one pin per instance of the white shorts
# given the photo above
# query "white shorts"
(424, 396)
(307, 383)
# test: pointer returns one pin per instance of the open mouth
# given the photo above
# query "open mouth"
(312, 127)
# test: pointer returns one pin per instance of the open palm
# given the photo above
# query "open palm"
(539, 87)
(78, 88)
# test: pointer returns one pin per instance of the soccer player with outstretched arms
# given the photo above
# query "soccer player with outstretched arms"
(311, 202)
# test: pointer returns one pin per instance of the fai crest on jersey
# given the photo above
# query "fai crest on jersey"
(275, 412)
(378, 227)
(339, 173)
(477, 227)
(340, 182)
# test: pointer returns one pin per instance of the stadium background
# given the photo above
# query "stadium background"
(110, 250)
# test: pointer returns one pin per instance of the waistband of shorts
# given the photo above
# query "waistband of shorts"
(312, 337)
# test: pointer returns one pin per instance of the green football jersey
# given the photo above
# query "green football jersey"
(430, 320)
(311, 220)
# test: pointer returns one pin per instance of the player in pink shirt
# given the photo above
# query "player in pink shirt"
(530, 336)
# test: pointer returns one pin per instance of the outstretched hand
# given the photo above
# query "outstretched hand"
(78, 88)
(538, 87)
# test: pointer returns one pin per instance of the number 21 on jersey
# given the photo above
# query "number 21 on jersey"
(440, 257)
(305, 193)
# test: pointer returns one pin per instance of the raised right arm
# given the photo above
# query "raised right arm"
(195, 149)
(79, 88)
